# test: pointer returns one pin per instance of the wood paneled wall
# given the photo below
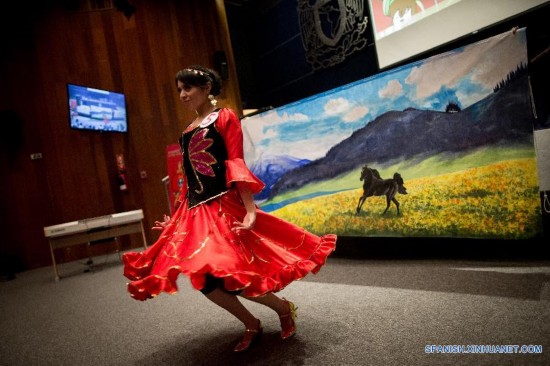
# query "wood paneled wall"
(76, 178)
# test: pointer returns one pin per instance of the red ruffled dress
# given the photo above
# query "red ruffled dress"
(198, 240)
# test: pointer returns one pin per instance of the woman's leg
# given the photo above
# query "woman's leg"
(284, 308)
(233, 305)
(230, 302)
(272, 301)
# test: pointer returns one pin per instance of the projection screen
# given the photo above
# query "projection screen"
(406, 28)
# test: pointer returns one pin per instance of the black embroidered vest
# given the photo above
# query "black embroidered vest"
(204, 156)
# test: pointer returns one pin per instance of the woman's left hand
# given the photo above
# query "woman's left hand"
(161, 225)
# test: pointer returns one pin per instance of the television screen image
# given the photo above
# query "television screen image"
(96, 109)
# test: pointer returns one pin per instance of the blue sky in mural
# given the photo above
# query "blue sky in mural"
(308, 128)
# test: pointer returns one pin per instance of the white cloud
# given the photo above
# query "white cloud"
(274, 118)
(392, 90)
(431, 75)
(337, 106)
(306, 149)
(270, 133)
(355, 114)
(261, 126)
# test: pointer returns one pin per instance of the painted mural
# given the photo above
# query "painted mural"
(442, 147)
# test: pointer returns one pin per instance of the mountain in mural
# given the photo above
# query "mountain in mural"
(501, 117)
(271, 169)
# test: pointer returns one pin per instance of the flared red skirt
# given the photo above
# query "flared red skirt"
(200, 241)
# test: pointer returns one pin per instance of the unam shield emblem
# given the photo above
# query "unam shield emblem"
(331, 30)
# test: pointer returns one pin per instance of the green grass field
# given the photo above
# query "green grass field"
(489, 193)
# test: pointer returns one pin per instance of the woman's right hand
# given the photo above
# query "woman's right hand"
(161, 225)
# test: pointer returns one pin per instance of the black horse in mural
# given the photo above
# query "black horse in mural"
(374, 185)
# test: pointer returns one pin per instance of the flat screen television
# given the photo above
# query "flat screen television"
(95, 109)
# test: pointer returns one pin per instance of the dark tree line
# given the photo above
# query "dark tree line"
(521, 70)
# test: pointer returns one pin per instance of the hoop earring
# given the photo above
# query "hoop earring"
(213, 100)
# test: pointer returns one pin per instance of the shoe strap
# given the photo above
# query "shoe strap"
(293, 309)
(252, 330)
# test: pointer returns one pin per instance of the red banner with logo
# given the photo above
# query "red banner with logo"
(175, 175)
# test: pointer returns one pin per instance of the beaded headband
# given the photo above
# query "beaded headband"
(195, 71)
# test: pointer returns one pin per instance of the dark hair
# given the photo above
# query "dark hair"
(197, 75)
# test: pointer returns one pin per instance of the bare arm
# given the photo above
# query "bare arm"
(248, 200)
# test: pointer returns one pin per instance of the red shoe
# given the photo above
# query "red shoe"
(288, 323)
(250, 337)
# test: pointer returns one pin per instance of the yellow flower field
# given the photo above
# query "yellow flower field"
(499, 200)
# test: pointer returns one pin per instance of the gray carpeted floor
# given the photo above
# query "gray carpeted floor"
(354, 312)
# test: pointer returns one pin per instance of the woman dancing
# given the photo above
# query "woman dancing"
(217, 236)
